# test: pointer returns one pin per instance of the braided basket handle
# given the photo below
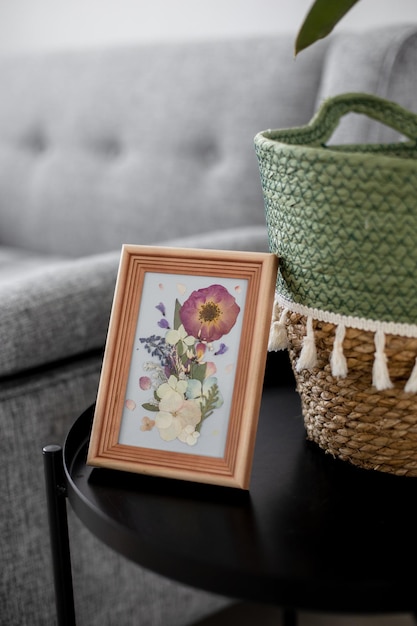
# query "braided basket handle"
(319, 130)
(389, 113)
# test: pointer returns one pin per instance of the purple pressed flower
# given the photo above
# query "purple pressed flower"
(222, 349)
(209, 313)
(161, 308)
(163, 323)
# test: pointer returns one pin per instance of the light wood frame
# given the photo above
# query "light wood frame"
(140, 265)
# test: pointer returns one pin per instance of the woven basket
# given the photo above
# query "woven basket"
(343, 221)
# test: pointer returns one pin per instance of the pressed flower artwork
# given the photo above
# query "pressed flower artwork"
(181, 382)
(183, 362)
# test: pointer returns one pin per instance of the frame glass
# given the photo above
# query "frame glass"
(184, 363)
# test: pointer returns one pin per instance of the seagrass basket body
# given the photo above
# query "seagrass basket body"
(343, 222)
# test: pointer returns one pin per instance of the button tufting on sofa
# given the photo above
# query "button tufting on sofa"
(206, 150)
(35, 140)
(108, 147)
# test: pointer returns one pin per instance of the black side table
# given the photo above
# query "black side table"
(313, 533)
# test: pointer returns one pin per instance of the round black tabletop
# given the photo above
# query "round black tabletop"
(313, 533)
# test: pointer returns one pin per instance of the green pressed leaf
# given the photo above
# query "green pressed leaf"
(177, 319)
(198, 371)
(320, 21)
(209, 402)
(150, 407)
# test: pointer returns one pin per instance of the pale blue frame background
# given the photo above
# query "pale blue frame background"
(162, 287)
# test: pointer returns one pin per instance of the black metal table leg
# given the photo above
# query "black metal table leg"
(58, 527)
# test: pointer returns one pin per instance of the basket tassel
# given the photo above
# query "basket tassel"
(338, 361)
(380, 374)
(308, 354)
(411, 385)
(278, 338)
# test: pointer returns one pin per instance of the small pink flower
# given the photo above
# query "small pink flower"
(211, 369)
(147, 424)
(145, 382)
(209, 313)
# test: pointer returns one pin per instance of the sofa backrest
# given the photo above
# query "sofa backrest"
(382, 62)
(142, 144)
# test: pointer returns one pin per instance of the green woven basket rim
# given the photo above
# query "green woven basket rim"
(323, 124)
(349, 194)
(389, 154)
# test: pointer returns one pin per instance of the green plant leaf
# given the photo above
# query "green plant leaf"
(320, 21)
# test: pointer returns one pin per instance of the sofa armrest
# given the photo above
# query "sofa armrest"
(63, 310)
(57, 312)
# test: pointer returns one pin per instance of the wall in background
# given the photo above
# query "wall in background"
(62, 24)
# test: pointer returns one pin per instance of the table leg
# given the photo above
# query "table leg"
(289, 617)
(58, 528)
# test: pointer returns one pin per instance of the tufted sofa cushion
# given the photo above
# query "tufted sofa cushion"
(141, 144)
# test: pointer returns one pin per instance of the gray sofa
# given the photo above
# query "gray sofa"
(151, 144)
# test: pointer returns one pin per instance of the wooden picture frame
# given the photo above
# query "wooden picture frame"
(184, 363)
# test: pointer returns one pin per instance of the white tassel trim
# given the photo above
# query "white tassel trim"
(308, 354)
(278, 338)
(411, 385)
(380, 374)
(338, 361)
(389, 328)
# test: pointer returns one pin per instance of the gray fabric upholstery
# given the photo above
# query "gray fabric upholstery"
(141, 144)
(61, 307)
(384, 63)
(16, 264)
(152, 144)
(56, 312)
